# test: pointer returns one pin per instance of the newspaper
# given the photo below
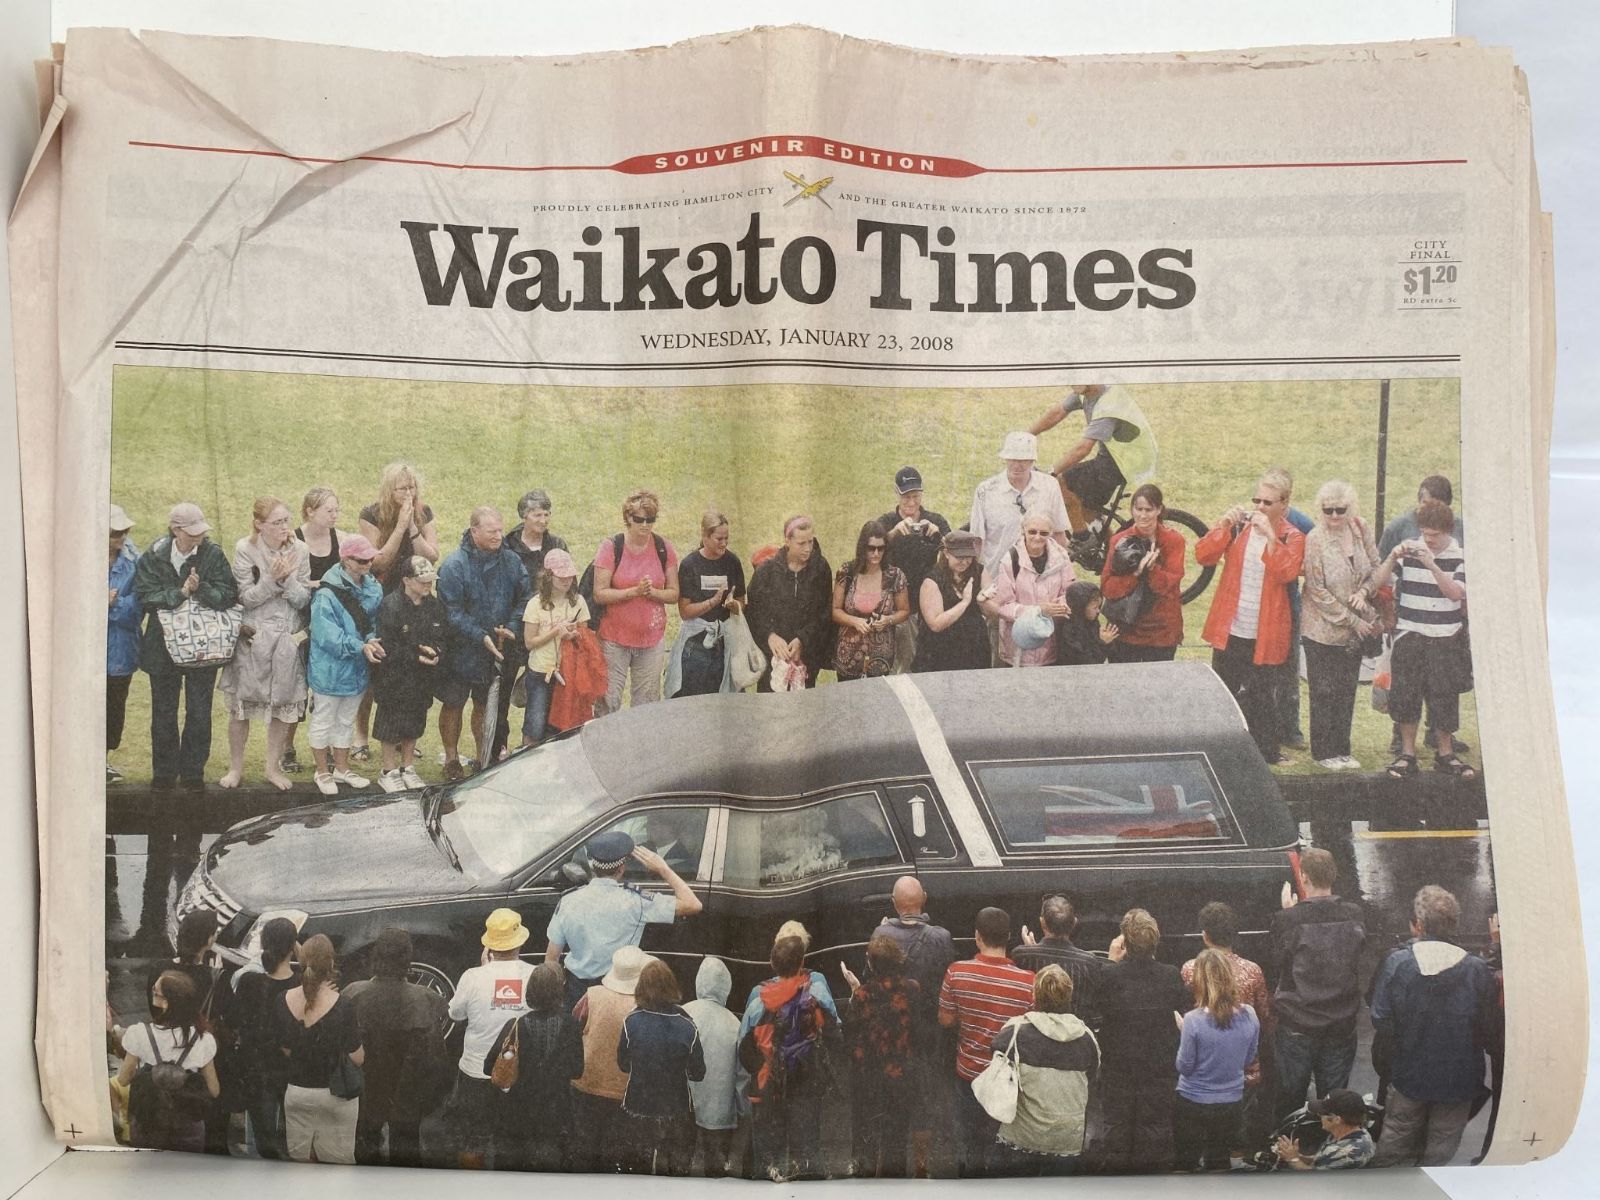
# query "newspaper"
(759, 277)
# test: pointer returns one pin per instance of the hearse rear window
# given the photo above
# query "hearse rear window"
(1067, 803)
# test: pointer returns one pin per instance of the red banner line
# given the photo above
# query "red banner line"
(951, 168)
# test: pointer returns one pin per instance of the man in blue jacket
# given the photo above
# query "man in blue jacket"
(484, 588)
(1434, 1013)
(122, 632)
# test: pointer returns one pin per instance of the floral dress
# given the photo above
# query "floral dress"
(869, 653)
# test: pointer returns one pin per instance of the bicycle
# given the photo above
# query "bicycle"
(1088, 549)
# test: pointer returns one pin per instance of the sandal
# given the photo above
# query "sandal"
(1403, 767)
(1451, 764)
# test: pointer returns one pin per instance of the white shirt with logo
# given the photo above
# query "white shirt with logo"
(486, 998)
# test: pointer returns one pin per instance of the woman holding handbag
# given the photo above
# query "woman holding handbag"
(317, 1033)
(869, 600)
(1056, 1057)
(1154, 635)
(266, 678)
(1337, 615)
(710, 591)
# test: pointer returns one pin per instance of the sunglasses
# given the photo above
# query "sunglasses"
(1263, 502)
(637, 520)
(1335, 511)
(872, 549)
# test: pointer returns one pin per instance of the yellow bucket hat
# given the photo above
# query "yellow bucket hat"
(504, 930)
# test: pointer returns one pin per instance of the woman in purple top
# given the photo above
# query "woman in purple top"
(1220, 1036)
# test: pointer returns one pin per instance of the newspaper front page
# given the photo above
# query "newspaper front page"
(912, 558)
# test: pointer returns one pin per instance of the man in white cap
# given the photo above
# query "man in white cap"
(182, 565)
(488, 995)
(1001, 500)
(999, 505)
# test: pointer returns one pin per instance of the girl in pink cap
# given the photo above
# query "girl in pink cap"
(553, 616)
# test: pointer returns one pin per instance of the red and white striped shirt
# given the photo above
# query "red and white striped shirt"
(983, 993)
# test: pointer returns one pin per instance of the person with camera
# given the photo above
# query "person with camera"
(1250, 622)
(915, 533)
(1344, 1119)
(1430, 662)
(1151, 553)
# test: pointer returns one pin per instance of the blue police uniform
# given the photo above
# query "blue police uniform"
(595, 921)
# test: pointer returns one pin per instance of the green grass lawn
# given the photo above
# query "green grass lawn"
(757, 452)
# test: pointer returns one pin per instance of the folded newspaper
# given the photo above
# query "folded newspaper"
(793, 607)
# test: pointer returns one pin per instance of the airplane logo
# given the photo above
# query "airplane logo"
(807, 190)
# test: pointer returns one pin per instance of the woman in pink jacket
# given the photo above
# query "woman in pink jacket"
(1033, 575)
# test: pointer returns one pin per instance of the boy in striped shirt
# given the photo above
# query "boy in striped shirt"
(1430, 661)
(978, 997)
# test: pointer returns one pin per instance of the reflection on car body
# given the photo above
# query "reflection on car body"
(806, 805)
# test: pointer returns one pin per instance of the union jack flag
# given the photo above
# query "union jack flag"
(1161, 810)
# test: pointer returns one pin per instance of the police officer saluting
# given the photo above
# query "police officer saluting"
(598, 919)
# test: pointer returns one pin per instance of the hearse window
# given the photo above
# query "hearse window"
(677, 834)
(776, 848)
(1046, 804)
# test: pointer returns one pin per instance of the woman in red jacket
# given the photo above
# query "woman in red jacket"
(1156, 636)
(1248, 625)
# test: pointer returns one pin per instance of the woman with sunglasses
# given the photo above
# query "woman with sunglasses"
(869, 600)
(635, 578)
(1336, 615)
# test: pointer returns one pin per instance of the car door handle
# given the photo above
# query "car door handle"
(880, 898)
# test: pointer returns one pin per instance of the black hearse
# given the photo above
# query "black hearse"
(1116, 785)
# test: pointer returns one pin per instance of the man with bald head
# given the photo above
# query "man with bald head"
(484, 588)
(929, 950)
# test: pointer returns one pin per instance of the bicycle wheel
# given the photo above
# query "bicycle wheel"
(1196, 579)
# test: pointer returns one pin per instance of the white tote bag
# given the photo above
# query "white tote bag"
(745, 659)
(996, 1087)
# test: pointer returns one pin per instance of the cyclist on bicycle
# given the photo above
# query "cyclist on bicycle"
(1088, 473)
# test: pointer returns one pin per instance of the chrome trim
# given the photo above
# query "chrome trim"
(958, 800)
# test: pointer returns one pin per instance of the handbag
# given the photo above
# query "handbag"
(746, 661)
(506, 1061)
(196, 636)
(1382, 676)
(997, 1085)
(1126, 611)
(346, 1079)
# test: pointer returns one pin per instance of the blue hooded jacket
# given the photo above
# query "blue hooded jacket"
(337, 666)
(122, 622)
(481, 589)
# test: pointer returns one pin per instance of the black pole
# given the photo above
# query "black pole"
(1383, 452)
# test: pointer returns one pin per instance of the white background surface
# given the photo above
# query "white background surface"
(1554, 43)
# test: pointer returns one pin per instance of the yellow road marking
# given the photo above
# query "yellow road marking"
(1424, 833)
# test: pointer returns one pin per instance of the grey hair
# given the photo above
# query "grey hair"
(1337, 491)
(1280, 481)
(1436, 912)
(532, 499)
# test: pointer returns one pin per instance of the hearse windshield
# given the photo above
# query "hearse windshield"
(504, 817)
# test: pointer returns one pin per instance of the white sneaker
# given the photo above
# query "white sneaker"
(1331, 764)
(326, 785)
(412, 779)
(351, 778)
(1351, 764)
(392, 781)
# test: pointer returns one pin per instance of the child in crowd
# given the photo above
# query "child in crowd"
(552, 617)
(1080, 638)
(344, 641)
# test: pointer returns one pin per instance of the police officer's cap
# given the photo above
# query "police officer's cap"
(609, 850)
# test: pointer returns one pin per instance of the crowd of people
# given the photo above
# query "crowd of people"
(358, 633)
(1034, 1056)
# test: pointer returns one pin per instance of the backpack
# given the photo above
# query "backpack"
(786, 1043)
(169, 1091)
(586, 580)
